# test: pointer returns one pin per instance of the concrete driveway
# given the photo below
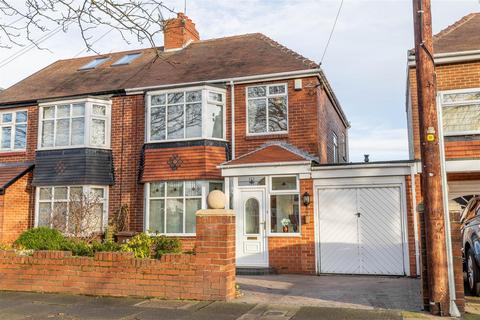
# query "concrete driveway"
(359, 292)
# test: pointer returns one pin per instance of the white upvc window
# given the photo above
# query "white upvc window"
(267, 109)
(171, 205)
(54, 206)
(186, 114)
(335, 147)
(75, 124)
(284, 205)
(460, 112)
(13, 130)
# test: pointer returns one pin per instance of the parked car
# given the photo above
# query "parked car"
(470, 229)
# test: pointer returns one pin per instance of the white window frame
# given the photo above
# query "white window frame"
(204, 101)
(267, 132)
(89, 102)
(86, 189)
(270, 192)
(12, 132)
(336, 155)
(443, 104)
(205, 187)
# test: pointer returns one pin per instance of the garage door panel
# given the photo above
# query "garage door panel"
(338, 231)
(381, 245)
(369, 244)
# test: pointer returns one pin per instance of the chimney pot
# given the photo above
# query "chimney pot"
(366, 158)
(179, 32)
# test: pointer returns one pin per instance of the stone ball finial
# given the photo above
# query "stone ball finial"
(216, 200)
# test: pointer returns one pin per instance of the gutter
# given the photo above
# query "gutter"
(449, 57)
(254, 78)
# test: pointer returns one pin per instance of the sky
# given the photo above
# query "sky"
(365, 62)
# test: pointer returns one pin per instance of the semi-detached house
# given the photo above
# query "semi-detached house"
(154, 130)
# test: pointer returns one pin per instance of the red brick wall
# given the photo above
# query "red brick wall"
(411, 222)
(16, 209)
(292, 254)
(449, 77)
(198, 162)
(309, 118)
(207, 275)
(128, 135)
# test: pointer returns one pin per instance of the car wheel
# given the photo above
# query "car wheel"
(473, 273)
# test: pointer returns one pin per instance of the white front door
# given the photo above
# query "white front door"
(361, 230)
(251, 237)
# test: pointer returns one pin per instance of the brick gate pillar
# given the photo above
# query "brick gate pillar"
(215, 247)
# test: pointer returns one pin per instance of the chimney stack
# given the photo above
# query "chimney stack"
(179, 32)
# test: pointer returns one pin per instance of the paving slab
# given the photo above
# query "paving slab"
(358, 292)
(312, 313)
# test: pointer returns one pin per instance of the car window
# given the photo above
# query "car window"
(472, 209)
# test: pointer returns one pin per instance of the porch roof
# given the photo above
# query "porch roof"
(273, 152)
(11, 172)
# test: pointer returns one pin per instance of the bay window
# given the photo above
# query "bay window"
(186, 114)
(171, 205)
(284, 205)
(461, 112)
(72, 208)
(267, 109)
(83, 123)
(13, 130)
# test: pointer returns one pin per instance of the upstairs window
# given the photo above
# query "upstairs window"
(186, 114)
(267, 109)
(461, 112)
(77, 124)
(335, 147)
(13, 126)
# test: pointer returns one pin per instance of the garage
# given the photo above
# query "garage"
(362, 220)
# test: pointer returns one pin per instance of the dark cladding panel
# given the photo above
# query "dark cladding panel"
(84, 166)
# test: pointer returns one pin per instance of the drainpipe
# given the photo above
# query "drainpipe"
(448, 232)
(232, 101)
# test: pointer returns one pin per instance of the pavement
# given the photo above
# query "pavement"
(285, 297)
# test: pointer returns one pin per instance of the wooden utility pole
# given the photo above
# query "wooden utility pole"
(431, 166)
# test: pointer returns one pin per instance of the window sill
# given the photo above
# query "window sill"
(285, 235)
(267, 136)
(13, 153)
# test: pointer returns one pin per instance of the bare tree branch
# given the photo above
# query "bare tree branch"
(21, 23)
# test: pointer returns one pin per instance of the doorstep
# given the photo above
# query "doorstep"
(255, 271)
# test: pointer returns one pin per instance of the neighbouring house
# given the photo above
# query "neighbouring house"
(457, 66)
(154, 130)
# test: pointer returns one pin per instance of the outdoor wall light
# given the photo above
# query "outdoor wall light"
(306, 199)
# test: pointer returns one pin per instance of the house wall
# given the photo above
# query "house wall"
(16, 209)
(293, 254)
(310, 117)
(449, 77)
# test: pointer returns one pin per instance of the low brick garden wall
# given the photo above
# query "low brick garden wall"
(209, 274)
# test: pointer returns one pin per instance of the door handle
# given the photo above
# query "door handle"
(358, 214)
(264, 223)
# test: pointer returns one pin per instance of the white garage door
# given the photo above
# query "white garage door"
(361, 230)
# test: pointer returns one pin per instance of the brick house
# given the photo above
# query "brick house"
(457, 61)
(154, 130)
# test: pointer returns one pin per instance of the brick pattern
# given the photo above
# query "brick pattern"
(179, 31)
(410, 223)
(296, 254)
(197, 163)
(309, 120)
(16, 208)
(128, 129)
(207, 275)
(449, 77)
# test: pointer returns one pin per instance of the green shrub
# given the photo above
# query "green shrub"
(140, 245)
(107, 246)
(78, 248)
(165, 245)
(42, 238)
